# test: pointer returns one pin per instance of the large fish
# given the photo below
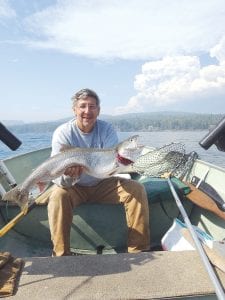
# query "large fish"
(100, 163)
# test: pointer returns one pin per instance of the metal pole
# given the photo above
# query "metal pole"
(218, 288)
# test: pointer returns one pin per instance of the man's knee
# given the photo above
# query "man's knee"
(59, 199)
(65, 197)
(59, 193)
(135, 188)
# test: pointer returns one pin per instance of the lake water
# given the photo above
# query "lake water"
(34, 141)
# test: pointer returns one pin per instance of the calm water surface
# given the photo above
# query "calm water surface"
(190, 139)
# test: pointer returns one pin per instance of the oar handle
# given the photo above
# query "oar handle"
(203, 200)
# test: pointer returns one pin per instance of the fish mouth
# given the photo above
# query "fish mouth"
(123, 160)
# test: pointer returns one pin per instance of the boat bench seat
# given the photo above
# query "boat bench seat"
(158, 189)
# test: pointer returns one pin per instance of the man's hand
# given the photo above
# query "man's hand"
(74, 172)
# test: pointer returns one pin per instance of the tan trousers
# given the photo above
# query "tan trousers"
(112, 190)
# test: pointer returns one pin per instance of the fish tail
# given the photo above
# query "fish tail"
(17, 195)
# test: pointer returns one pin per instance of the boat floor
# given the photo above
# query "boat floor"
(150, 275)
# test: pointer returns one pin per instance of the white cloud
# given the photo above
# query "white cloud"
(219, 51)
(134, 29)
(168, 34)
(6, 11)
(175, 79)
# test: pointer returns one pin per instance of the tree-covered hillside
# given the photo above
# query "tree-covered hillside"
(139, 122)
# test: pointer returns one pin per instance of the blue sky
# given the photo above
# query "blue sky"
(138, 55)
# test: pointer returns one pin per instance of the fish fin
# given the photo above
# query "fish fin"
(42, 186)
(17, 195)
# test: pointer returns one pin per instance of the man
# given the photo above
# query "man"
(76, 187)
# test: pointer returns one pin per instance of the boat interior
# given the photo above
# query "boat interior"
(101, 228)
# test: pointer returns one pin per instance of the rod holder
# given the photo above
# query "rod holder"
(215, 136)
(8, 138)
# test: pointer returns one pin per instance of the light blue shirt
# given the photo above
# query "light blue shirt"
(103, 135)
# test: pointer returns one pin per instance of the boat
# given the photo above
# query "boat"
(101, 268)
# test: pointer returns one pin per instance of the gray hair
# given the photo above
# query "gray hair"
(83, 94)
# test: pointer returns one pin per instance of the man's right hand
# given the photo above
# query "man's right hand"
(74, 171)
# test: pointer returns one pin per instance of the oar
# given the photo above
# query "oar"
(218, 288)
(16, 219)
(20, 216)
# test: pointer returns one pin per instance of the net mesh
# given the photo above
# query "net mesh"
(170, 158)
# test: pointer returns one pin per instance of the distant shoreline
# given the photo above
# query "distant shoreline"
(135, 122)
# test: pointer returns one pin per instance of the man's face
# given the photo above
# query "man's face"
(86, 111)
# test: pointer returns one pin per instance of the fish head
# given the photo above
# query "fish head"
(129, 150)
